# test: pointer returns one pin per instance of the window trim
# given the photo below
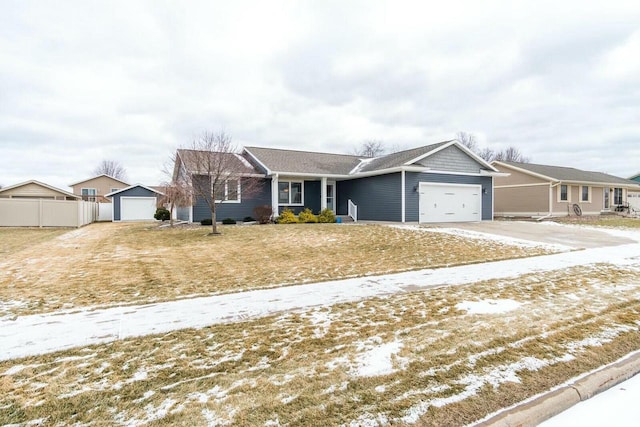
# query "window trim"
(615, 190)
(560, 193)
(226, 192)
(91, 197)
(289, 182)
(589, 192)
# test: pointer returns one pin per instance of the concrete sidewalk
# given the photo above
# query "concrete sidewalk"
(39, 334)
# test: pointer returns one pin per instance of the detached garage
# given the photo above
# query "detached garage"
(134, 203)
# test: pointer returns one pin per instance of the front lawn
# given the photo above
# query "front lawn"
(445, 356)
(109, 263)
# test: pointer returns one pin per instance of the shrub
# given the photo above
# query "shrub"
(206, 221)
(326, 215)
(287, 217)
(307, 216)
(228, 221)
(248, 219)
(162, 214)
(263, 213)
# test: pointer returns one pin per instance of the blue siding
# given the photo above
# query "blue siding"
(412, 179)
(378, 197)
(237, 211)
(132, 192)
(311, 199)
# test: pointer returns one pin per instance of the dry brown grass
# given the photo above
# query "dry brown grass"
(602, 221)
(106, 264)
(14, 240)
(301, 368)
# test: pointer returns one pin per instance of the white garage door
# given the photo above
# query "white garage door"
(633, 197)
(450, 202)
(137, 208)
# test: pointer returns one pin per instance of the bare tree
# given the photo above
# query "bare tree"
(176, 194)
(511, 154)
(217, 173)
(370, 148)
(468, 140)
(111, 168)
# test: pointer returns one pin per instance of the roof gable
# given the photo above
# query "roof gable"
(100, 176)
(134, 186)
(566, 174)
(39, 184)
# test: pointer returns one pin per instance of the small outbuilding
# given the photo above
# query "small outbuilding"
(134, 203)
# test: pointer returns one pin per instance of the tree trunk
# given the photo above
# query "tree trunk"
(214, 226)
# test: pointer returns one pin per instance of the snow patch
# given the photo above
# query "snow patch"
(378, 359)
(488, 306)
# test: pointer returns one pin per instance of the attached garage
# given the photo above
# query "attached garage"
(134, 203)
(449, 202)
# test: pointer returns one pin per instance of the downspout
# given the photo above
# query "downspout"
(550, 214)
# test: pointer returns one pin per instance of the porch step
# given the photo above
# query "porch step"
(344, 218)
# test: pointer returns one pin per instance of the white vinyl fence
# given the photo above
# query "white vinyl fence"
(105, 212)
(46, 213)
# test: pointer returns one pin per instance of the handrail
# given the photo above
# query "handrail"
(353, 211)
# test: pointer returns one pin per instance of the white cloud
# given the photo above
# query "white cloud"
(82, 81)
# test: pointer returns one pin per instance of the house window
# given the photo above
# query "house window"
(88, 194)
(227, 191)
(113, 190)
(290, 192)
(564, 193)
(585, 194)
(617, 196)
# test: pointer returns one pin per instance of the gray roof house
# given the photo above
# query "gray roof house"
(443, 182)
(535, 190)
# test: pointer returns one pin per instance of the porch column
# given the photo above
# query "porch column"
(274, 195)
(323, 193)
(402, 196)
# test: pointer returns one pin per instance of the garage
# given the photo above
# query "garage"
(134, 203)
(633, 197)
(450, 202)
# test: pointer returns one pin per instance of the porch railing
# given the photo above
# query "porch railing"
(353, 211)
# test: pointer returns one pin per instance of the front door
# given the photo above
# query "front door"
(331, 196)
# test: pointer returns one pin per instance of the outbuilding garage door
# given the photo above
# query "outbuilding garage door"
(137, 208)
(450, 202)
(633, 197)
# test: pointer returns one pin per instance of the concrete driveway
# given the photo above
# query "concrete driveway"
(577, 237)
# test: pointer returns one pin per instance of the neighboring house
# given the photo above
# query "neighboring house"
(36, 204)
(35, 190)
(633, 197)
(95, 189)
(539, 190)
(442, 182)
(134, 203)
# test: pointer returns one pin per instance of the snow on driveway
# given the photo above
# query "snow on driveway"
(44, 333)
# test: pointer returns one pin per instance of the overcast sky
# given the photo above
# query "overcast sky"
(131, 81)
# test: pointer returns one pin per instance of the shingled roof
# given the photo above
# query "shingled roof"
(565, 174)
(191, 158)
(307, 162)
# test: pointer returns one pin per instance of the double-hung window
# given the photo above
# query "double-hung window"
(227, 191)
(617, 196)
(88, 194)
(564, 193)
(290, 193)
(585, 194)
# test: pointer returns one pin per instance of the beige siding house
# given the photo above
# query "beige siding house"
(35, 190)
(94, 189)
(532, 190)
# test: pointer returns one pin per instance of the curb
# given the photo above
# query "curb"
(532, 413)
